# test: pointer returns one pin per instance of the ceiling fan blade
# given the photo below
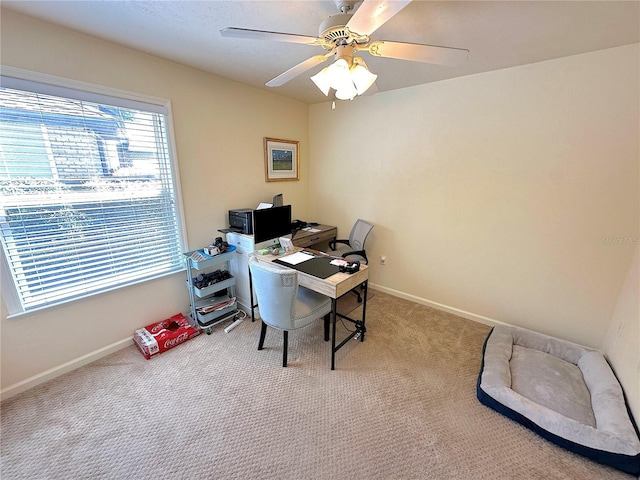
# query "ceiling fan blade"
(372, 14)
(234, 32)
(418, 53)
(297, 70)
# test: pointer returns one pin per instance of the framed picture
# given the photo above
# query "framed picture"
(281, 160)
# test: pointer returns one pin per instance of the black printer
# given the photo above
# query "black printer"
(241, 220)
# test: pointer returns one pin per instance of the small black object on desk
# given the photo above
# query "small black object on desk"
(350, 267)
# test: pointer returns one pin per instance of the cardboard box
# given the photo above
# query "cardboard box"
(164, 335)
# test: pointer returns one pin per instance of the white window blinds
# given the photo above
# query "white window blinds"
(87, 196)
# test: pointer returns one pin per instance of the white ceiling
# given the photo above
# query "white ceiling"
(498, 34)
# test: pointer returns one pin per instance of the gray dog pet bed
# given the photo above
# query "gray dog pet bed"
(566, 393)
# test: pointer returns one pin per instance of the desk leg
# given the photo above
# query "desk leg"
(360, 325)
(253, 316)
(364, 310)
(334, 303)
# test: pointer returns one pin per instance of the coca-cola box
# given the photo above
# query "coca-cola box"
(163, 335)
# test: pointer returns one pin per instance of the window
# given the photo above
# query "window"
(88, 198)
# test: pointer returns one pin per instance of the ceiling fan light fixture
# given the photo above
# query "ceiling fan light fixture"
(322, 79)
(346, 92)
(340, 75)
(345, 34)
(348, 81)
(362, 78)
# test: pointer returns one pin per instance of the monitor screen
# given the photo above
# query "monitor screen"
(271, 223)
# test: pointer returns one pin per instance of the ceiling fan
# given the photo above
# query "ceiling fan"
(343, 35)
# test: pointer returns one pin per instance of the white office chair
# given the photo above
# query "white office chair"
(353, 249)
(283, 304)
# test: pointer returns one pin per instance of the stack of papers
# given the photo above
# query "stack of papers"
(204, 309)
(296, 258)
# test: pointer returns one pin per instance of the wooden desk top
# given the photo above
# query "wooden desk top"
(334, 286)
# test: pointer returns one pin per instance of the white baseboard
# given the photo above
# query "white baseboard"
(47, 375)
(439, 306)
(247, 309)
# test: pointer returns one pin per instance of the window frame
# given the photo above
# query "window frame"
(17, 78)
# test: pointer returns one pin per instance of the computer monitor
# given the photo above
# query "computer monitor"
(277, 200)
(271, 223)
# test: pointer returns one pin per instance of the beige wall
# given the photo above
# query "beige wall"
(219, 126)
(510, 196)
(621, 345)
(495, 194)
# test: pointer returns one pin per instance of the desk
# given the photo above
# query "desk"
(333, 287)
(245, 246)
(305, 238)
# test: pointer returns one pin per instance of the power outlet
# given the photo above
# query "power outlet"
(383, 260)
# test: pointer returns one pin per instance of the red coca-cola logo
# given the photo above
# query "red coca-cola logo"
(158, 326)
(172, 342)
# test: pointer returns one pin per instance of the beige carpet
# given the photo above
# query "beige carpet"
(401, 405)
(349, 302)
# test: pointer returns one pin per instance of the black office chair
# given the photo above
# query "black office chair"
(353, 249)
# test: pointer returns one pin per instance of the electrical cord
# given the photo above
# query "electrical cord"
(345, 326)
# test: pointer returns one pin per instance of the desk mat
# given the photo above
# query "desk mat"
(318, 266)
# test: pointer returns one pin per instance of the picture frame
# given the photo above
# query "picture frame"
(281, 160)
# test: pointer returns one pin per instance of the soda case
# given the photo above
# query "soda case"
(163, 335)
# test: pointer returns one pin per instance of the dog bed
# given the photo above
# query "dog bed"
(566, 393)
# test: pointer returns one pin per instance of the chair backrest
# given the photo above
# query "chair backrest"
(359, 234)
(276, 289)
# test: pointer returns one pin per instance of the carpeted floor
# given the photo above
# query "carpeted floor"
(400, 405)
(349, 302)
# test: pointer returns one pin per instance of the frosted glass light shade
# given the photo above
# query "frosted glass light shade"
(322, 80)
(347, 92)
(341, 80)
(362, 78)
